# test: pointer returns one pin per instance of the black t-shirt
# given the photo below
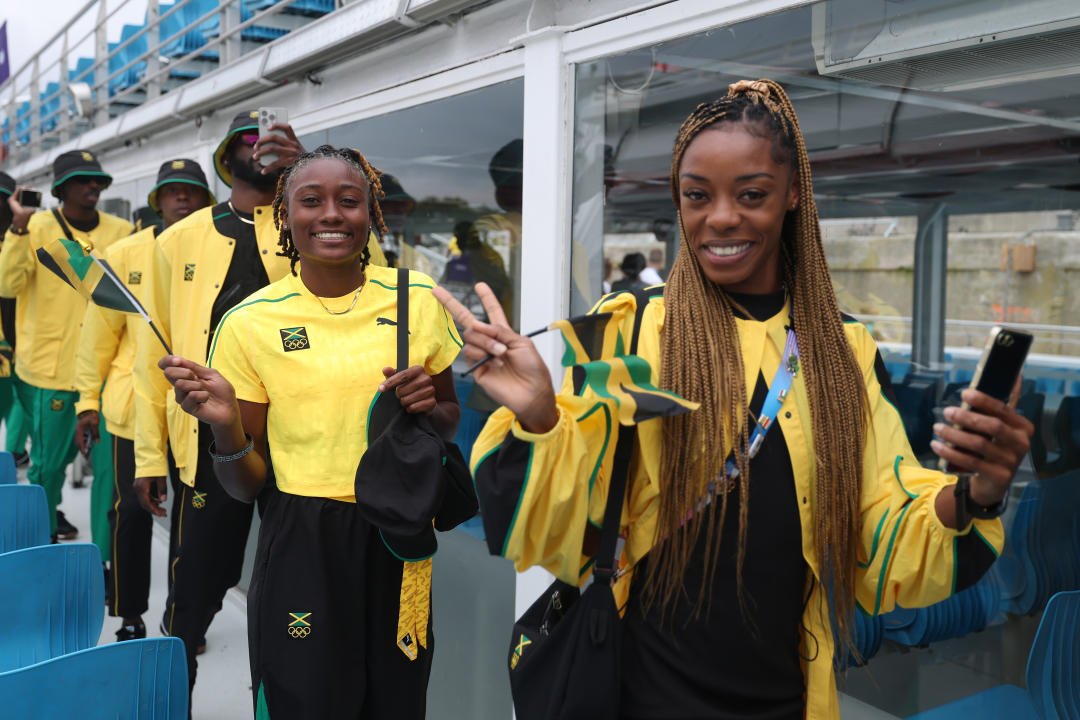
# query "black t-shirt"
(722, 664)
(246, 273)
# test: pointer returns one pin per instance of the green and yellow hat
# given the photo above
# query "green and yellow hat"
(75, 163)
(245, 121)
(180, 170)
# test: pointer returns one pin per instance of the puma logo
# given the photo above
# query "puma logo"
(384, 321)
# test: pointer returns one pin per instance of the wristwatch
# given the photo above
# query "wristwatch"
(967, 508)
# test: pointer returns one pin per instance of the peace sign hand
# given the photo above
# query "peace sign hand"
(516, 375)
(201, 391)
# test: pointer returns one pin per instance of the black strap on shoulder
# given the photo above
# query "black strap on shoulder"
(63, 225)
(402, 319)
(604, 570)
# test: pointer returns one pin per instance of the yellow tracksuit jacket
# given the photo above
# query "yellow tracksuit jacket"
(185, 275)
(48, 312)
(107, 346)
(538, 492)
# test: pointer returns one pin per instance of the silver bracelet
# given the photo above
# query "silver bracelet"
(235, 456)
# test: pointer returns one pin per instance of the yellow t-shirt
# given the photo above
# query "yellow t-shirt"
(320, 373)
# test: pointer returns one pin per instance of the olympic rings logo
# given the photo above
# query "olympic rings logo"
(295, 343)
(299, 632)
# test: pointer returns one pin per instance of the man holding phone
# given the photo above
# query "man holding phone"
(203, 266)
(106, 357)
(8, 402)
(49, 315)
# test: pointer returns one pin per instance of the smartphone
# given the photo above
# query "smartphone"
(270, 116)
(88, 442)
(999, 367)
(28, 198)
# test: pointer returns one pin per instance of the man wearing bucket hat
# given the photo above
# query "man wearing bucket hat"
(49, 314)
(107, 356)
(10, 410)
(204, 265)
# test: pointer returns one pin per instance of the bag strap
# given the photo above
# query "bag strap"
(402, 319)
(604, 568)
(63, 225)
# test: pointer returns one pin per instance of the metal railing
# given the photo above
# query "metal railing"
(30, 130)
(1052, 339)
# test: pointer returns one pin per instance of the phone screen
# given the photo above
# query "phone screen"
(29, 198)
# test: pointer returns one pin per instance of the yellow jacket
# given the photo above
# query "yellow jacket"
(107, 346)
(185, 274)
(48, 312)
(538, 492)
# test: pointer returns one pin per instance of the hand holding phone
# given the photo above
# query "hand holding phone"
(996, 374)
(268, 117)
(28, 198)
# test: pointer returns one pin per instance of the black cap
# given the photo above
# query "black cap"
(247, 120)
(75, 163)
(409, 477)
(7, 184)
(180, 170)
(505, 165)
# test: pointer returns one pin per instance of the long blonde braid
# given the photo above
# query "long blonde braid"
(701, 360)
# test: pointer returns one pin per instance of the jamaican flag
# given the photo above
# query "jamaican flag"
(596, 352)
(92, 277)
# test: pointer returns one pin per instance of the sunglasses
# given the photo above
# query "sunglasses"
(248, 139)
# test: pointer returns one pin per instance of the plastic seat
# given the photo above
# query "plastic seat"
(1067, 432)
(1052, 677)
(915, 400)
(1030, 405)
(134, 680)
(24, 517)
(7, 468)
(52, 602)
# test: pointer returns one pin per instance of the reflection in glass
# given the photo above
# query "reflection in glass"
(452, 177)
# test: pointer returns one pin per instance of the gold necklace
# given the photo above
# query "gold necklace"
(239, 217)
(351, 305)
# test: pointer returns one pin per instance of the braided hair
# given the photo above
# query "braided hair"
(354, 159)
(701, 360)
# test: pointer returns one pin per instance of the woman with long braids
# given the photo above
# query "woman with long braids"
(756, 526)
(294, 371)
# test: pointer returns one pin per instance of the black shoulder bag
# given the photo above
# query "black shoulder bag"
(566, 649)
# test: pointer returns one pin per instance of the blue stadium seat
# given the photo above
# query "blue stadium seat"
(53, 603)
(1030, 405)
(1067, 432)
(7, 468)
(24, 517)
(134, 680)
(50, 107)
(312, 8)
(915, 399)
(1052, 677)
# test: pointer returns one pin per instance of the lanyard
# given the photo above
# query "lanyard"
(774, 401)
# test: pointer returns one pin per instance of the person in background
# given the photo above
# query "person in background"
(651, 274)
(49, 315)
(500, 233)
(330, 591)
(11, 411)
(631, 266)
(203, 266)
(106, 358)
(751, 525)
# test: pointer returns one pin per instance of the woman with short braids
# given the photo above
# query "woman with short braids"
(749, 545)
(294, 372)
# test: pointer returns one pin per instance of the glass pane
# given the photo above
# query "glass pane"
(921, 118)
(452, 177)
